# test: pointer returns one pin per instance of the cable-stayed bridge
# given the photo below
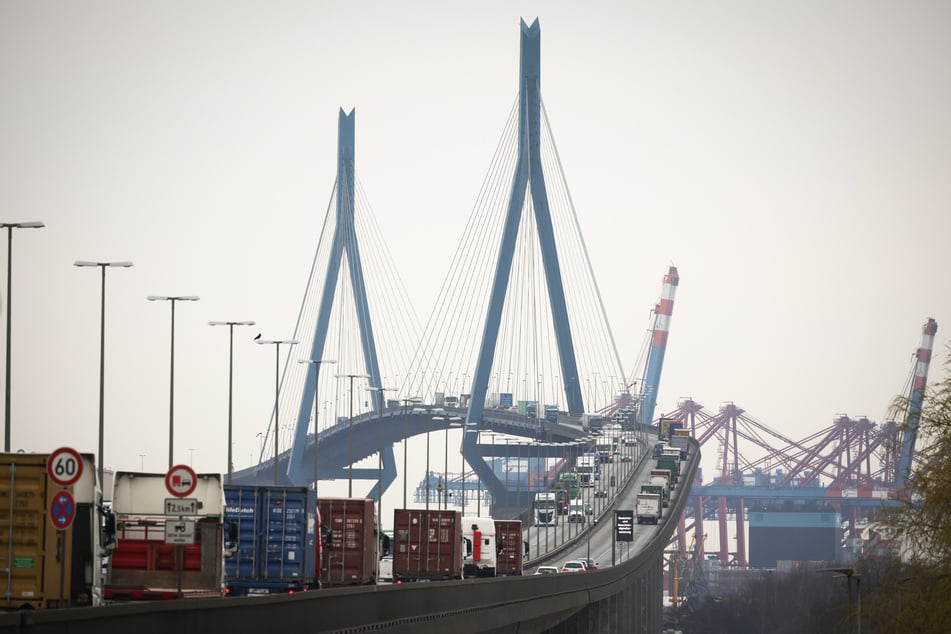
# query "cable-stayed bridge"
(518, 327)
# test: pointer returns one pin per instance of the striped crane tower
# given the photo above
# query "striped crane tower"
(655, 363)
(922, 362)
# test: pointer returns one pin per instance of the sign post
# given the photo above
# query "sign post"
(64, 467)
(180, 481)
(623, 531)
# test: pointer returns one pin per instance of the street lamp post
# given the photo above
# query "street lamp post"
(350, 432)
(10, 226)
(230, 325)
(102, 352)
(171, 381)
(379, 468)
(277, 394)
(445, 468)
(849, 574)
(428, 425)
(316, 363)
(445, 455)
(406, 402)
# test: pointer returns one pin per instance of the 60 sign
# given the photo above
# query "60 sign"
(65, 466)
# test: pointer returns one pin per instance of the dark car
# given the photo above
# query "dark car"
(600, 493)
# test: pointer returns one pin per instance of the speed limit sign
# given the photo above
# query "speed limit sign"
(64, 466)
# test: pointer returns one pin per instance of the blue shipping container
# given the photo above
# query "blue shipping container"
(275, 549)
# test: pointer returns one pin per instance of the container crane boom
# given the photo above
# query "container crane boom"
(910, 433)
(655, 363)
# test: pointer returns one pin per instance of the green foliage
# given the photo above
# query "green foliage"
(924, 520)
(914, 595)
(781, 603)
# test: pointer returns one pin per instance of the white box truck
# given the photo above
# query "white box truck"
(648, 507)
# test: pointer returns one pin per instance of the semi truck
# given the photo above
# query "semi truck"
(510, 546)
(546, 508)
(427, 545)
(647, 508)
(160, 556)
(30, 544)
(273, 546)
(666, 427)
(654, 489)
(670, 464)
(481, 547)
(661, 477)
(605, 448)
(587, 466)
(350, 551)
(577, 512)
(680, 439)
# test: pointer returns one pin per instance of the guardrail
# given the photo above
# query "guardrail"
(622, 598)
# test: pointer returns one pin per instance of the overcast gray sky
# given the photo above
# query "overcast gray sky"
(792, 159)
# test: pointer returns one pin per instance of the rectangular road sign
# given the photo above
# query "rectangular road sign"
(180, 532)
(624, 526)
(181, 506)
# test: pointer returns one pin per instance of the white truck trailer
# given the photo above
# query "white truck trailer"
(647, 508)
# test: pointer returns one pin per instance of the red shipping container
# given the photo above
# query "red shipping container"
(511, 546)
(427, 544)
(349, 554)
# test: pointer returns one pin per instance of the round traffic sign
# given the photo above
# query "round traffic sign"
(64, 466)
(62, 510)
(181, 480)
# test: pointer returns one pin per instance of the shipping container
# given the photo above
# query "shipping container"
(662, 478)
(274, 547)
(30, 545)
(663, 428)
(148, 562)
(349, 554)
(671, 465)
(510, 544)
(428, 544)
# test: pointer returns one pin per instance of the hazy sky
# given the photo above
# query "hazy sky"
(793, 160)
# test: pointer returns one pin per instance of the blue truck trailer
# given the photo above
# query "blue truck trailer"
(272, 542)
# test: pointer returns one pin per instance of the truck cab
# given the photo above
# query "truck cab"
(481, 557)
(546, 508)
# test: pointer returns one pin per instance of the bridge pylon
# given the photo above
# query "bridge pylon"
(344, 244)
(528, 178)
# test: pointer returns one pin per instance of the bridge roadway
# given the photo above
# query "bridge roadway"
(348, 443)
(626, 597)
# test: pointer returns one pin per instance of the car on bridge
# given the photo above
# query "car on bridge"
(600, 493)
(573, 566)
(627, 458)
(546, 570)
(589, 563)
